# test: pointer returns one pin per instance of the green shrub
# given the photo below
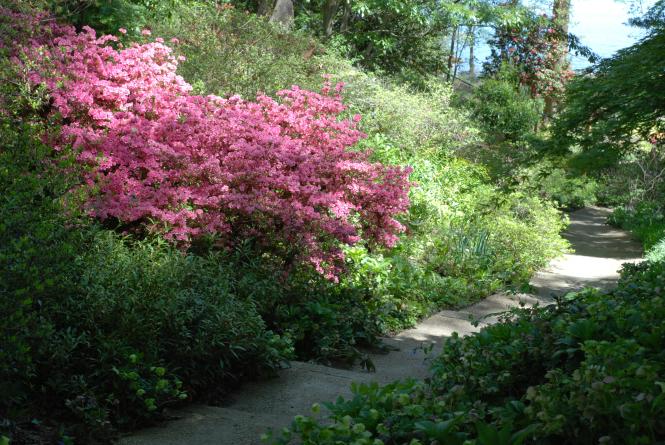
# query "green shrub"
(526, 235)
(588, 369)
(505, 112)
(37, 253)
(174, 309)
(569, 192)
(327, 322)
(99, 331)
(646, 221)
(466, 239)
(230, 52)
(635, 177)
(423, 124)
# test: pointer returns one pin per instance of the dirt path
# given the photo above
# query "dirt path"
(599, 252)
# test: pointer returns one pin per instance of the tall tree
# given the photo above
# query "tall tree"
(621, 103)
(472, 57)
(330, 8)
(561, 17)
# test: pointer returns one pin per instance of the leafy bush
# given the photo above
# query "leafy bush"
(637, 177)
(37, 258)
(569, 192)
(466, 239)
(556, 183)
(646, 221)
(171, 310)
(417, 123)
(230, 52)
(505, 111)
(462, 227)
(586, 370)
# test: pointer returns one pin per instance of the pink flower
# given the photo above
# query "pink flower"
(280, 171)
(122, 31)
(146, 32)
(175, 41)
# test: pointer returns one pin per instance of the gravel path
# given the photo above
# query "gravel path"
(599, 252)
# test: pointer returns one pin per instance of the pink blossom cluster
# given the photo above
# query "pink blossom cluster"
(280, 171)
(537, 49)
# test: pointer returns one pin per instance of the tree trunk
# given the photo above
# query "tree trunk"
(329, 11)
(283, 13)
(451, 56)
(346, 17)
(561, 13)
(265, 7)
(472, 58)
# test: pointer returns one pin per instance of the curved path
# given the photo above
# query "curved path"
(599, 252)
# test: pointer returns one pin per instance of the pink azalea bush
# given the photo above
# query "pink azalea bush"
(280, 171)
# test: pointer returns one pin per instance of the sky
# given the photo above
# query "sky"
(600, 25)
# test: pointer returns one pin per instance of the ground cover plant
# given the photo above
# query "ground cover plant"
(588, 369)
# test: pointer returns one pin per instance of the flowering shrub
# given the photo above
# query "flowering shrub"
(187, 166)
(536, 50)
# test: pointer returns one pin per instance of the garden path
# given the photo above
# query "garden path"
(599, 252)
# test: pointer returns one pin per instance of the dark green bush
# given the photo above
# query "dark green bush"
(505, 111)
(37, 256)
(556, 184)
(99, 331)
(646, 220)
(589, 369)
(173, 310)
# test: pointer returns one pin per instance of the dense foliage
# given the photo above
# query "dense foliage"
(165, 238)
(646, 220)
(619, 103)
(505, 109)
(612, 125)
(586, 370)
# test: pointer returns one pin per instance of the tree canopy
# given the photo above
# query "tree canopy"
(618, 102)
